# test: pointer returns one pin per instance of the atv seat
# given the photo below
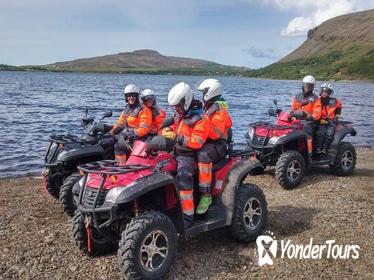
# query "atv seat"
(219, 164)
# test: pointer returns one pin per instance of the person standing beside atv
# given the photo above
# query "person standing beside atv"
(134, 123)
(216, 111)
(330, 112)
(307, 103)
(190, 130)
(148, 98)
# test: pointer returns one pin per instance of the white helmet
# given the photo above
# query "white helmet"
(309, 80)
(327, 86)
(131, 88)
(210, 88)
(179, 92)
(148, 94)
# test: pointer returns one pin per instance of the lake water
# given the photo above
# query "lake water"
(35, 105)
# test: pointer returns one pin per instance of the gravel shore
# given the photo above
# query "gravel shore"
(35, 234)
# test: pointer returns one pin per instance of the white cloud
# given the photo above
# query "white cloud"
(313, 12)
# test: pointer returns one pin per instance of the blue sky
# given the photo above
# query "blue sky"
(248, 33)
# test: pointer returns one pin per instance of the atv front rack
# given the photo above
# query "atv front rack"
(110, 167)
(272, 126)
(104, 168)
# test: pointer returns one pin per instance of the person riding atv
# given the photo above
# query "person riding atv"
(305, 103)
(216, 111)
(190, 130)
(134, 123)
(330, 108)
(148, 98)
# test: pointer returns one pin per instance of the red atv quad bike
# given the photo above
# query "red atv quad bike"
(284, 145)
(136, 207)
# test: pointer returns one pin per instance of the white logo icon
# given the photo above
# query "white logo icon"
(266, 248)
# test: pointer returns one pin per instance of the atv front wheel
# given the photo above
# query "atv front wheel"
(345, 161)
(96, 244)
(250, 213)
(290, 169)
(66, 194)
(148, 246)
(53, 181)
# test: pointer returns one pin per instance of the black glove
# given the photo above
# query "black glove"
(180, 140)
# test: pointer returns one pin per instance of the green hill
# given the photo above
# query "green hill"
(137, 62)
(340, 48)
(144, 61)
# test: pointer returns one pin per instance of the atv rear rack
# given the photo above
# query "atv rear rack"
(110, 167)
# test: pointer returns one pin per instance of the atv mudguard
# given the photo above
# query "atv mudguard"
(145, 185)
(338, 137)
(233, 182)
(91, 151)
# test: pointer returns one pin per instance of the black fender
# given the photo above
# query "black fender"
(294, 135)
(233, 182)
(145, 185)
(80, 154)
(339, 135)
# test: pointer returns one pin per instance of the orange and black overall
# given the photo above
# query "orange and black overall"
(194, 130)
(309, 105)
(330, 108)
(158, 116)
(137, 119)
(216, 147)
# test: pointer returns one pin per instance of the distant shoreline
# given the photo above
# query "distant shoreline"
(173, 72)
(165, 73)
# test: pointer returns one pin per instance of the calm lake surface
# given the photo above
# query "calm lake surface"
(35, 105)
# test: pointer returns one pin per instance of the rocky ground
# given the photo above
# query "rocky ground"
(35, 239)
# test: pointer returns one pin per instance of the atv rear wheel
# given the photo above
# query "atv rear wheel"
(66, 194)
(345, 161)
(290, 169)
(148, 246)
(96, 245)
(250, 213)
(53, 181)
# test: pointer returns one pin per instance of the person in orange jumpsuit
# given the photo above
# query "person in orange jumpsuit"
(331, 109)
(134, 123)
(216, 111)
(307, 103)
(190, 131)
(148, 98)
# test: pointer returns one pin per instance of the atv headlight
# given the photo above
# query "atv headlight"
(250, 133)
(81, 181)
(63, 153)
(112, 195)
(273, 140)
(60, 155)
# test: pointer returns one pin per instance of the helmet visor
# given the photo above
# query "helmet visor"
(326, 90)
(148, 98)
(179, 108)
